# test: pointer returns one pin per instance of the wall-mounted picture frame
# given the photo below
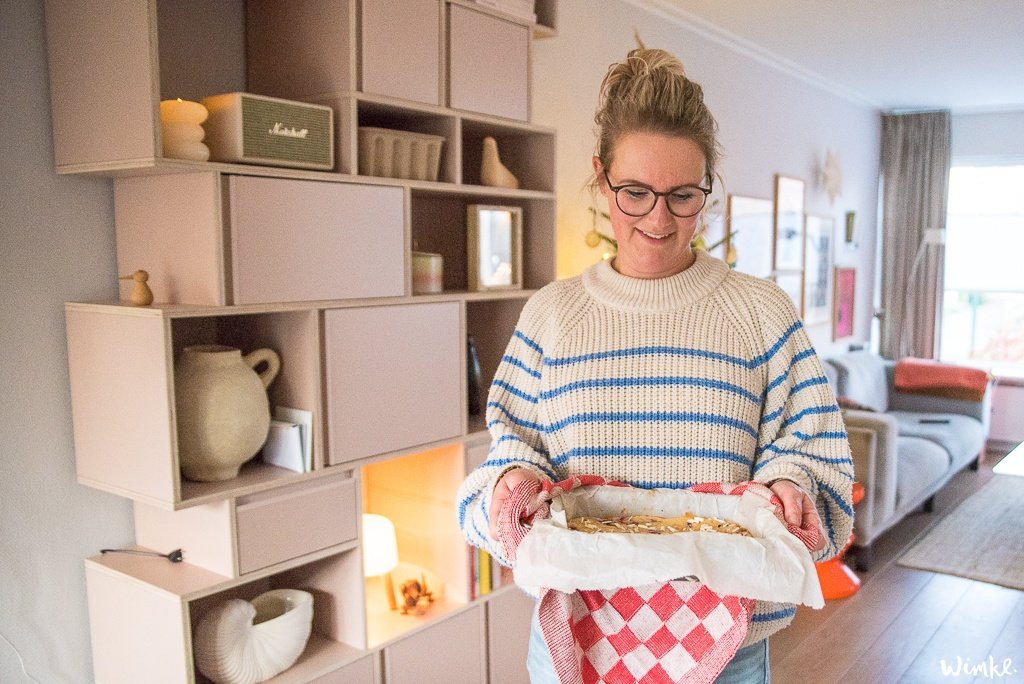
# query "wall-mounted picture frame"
(749, 226)
(793, 283)
(789, 223)
(818, 269)
(494, 243)
(713, 232)
(843, 306)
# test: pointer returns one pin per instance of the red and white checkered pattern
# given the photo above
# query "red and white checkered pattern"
(676, 631)
(671, 632)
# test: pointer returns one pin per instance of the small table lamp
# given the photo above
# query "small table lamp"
(380, 552)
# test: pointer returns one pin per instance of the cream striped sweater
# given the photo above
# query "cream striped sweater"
(704, 376)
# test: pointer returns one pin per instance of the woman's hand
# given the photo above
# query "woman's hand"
(798, 509)
(505, 485)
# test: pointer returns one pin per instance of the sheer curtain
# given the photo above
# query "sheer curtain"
(915, 179)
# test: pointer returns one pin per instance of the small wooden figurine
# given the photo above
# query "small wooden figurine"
(415, 596)
(141, 295)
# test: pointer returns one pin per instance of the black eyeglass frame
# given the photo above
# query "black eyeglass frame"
(615, 188)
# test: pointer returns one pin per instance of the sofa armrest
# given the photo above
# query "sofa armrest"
(923, 403)
(873, 447)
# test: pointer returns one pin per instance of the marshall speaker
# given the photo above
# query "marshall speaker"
(256, 129)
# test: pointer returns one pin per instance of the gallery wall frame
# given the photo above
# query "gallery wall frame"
(750, 236)
(844, 303)
(818, 273)
(789, 223)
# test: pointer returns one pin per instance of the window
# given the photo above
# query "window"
(983, 303)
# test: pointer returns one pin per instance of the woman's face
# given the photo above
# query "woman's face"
(657, 244)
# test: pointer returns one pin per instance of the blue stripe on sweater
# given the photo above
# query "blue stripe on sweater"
(654, 381)
(646, 351)
(778, 451)
(781, 377)
(810, 411)
(528, 342)
(502, 462)
(512, 417)
(462, 505)
(514, 391)
(651, 416)
(664, 350)
(509, 437)
(775, 615)
(774, 349)
(516, 363)
(837, 498)
(649, 452)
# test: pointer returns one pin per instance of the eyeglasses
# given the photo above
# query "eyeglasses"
(639, 200)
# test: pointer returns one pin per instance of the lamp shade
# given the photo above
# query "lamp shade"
(380, 548)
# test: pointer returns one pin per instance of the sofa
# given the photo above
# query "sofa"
(905, 446)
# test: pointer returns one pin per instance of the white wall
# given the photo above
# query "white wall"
(770, 122)
(58, 245)
(992, 138)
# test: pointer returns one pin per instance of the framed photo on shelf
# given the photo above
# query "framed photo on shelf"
(818, 269)
(793, 283)
(494, 247)
(789, 223)
(750, 234)
(843, 303)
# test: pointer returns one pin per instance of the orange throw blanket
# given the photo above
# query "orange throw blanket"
(927, 376)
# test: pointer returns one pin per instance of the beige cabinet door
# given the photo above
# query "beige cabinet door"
(508, 636)
(401, 49)
(451, 651)
(299, 240)
(394, 377)
(489, 69)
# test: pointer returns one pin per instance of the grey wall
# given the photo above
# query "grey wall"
(58, 245)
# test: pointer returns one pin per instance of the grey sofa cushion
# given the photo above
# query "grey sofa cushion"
(921, 462)
(961, 437)
(861, 377)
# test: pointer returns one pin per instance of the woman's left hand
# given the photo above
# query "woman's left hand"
(798, 509)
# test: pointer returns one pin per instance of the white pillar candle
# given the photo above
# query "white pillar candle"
(182, 131)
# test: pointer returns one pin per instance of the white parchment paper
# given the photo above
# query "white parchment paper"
(773, 565)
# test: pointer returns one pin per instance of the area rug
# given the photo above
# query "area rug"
(981, 539)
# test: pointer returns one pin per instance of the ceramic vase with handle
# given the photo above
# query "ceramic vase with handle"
(222, 407)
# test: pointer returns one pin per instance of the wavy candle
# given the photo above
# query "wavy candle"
(182, 131)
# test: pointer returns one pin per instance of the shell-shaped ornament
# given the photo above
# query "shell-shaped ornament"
(243, 642)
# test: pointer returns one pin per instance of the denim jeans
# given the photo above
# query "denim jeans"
(749, 666)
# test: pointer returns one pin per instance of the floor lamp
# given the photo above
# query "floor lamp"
(934, 238)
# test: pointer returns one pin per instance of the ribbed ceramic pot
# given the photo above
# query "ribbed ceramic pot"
(223, 412)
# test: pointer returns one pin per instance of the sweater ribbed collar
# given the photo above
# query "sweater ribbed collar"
(610, 287)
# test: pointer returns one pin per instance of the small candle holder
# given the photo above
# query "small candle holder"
(182, 131)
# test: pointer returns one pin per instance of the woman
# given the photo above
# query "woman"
(663, 368)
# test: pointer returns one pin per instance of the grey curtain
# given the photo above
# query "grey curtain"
(915, 180)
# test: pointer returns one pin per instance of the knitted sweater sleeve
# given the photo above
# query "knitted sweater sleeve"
(514, 423)
(802, 436)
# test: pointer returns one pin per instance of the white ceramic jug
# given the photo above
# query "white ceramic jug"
(223, 412)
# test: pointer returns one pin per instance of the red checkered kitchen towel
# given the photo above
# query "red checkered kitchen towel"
(677, 631)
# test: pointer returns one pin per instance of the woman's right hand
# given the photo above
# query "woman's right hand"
(502, 490)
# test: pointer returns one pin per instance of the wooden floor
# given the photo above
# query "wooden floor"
(904, 624)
